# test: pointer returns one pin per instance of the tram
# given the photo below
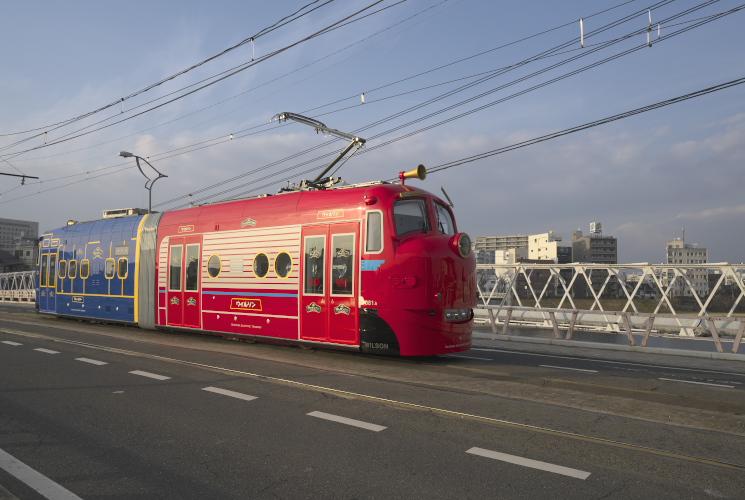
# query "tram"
(377, 267)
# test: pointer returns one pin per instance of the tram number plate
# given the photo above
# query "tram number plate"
(375, 345)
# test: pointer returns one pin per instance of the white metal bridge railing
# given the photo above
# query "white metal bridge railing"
(690, 300)
(17, 287)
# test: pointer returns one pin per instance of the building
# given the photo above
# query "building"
(549, 247)
(595, 249)
(20, 238)
(11, 229)
(681, 254)
(494, 243)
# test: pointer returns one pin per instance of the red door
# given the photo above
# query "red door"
(329, 291)
(183, 296)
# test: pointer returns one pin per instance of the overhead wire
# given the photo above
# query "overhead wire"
(261, 33)
(368, 150)
(285, 169)
(259, 86)
(579, 128)
(72, 135)
(357, 131)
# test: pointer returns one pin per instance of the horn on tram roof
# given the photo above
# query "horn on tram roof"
(419, 173)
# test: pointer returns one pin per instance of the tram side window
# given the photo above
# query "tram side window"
(314, 269)
(44, 270)
(410, 216)
(343, 264)
(110, 268)
(445, 222)
(123, 270)
(175, 268)
(72, 269)
(63, 269)
(192, 268)
(85, 268)
(374, 232)
(52, 269)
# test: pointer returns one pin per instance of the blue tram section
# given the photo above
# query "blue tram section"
(88, 270)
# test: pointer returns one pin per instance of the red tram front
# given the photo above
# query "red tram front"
(375, 267)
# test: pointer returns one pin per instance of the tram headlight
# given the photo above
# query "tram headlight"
(461, 244)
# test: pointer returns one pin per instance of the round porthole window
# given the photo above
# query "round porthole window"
(213, 266)
(261, 265)
(283, 265)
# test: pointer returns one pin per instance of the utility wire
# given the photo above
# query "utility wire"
(579, 128)
(604, 28)
(261, 33)
(309, 161)
(72, 135)
(253, 89)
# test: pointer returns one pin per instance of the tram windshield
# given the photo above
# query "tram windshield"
(411, 216)
(445, 222)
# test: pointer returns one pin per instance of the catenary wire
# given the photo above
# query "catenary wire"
(72, 135)
(262, 32)
(169, 200)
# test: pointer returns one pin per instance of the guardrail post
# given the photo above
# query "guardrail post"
(571, 324)
(715, 334)
(492, 321)
(626, 325)
(507, 321)
(738, 337)
(648, 330)
(554, 324)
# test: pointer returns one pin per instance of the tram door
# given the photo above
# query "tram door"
(48, 281)
(184, 304)
(329, 290)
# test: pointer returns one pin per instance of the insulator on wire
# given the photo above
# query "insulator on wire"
(363, 97)
(582, 32)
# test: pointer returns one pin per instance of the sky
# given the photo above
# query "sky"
(443, 80)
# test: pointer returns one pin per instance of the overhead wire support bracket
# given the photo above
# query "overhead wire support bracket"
(649, 30)
(321, 127)
(23, 177)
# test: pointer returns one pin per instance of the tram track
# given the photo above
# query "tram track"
(397, 403)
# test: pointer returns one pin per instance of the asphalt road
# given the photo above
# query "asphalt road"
(113, 412)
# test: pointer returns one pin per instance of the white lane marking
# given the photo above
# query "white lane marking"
(48, 351)
(232, 394)
(697, 383)
(45, 486)
(348, 421)
(594, 360)
(150, 375)
(10, 342)
(468, 357)
(568, 368)
(91, 361)
(526, 462)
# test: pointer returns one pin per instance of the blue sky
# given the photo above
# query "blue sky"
(643, 177)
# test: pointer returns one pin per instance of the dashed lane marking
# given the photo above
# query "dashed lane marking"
(697, 383)
(91, 361)
(10, 342)
(400, 404)
(149, 375)
(568, 368)
(469, 357)
(232, 394)
(347, 421)
(45, 486)
(533, 464)
(48, 351)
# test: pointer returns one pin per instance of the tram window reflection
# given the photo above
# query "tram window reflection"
(411, 216)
